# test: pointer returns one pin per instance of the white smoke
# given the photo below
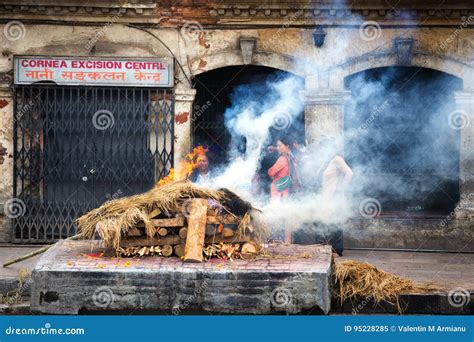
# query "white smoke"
(252, 119)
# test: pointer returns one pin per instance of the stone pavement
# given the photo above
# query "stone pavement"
(76, 275)
(9, 276)
(448, 269)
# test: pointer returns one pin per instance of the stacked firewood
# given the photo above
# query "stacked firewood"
(199, 231)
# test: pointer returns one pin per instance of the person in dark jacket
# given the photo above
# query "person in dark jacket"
(201, 174)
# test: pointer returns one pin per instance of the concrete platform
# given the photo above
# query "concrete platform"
(74, 276)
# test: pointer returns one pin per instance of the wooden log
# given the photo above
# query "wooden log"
(148, 241)
(219, 238)
(134, 232)
(224, 219)
(167, 250)
(162, 231)
(183, 233)
(227, 232)
(154, 213)
(248, 250)
(179, 250)
(177, 221)
(196, 230)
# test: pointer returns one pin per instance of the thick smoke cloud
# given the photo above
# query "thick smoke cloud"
(396, 131)
(401, 139)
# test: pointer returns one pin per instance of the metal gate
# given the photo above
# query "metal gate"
(76, 147)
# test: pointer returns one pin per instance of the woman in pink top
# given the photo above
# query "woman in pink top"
(280, 169)
(283, 167)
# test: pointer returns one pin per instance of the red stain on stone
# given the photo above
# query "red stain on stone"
(202, 64)
(93, 255)
(202, 40)
(182, 118)
(3, 103)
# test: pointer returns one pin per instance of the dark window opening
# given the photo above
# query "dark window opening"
(399, 141)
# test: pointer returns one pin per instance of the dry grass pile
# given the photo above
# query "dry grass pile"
(355, 280)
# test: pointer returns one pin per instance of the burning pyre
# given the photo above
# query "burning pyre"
(178, 218)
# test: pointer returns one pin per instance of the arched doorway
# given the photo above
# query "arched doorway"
(218, 90)
(399, 139)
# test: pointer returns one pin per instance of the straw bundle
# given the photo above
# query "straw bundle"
(356, 280)
(118, 216)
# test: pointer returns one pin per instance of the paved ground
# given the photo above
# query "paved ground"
(9, 276)
(451, 269)
(448, 269)
(11, 252)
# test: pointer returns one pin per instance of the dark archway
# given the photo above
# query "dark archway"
(399, 140)
(214, 95)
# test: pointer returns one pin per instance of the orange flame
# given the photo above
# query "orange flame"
(186, 166)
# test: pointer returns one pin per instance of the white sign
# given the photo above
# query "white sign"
(95, 71)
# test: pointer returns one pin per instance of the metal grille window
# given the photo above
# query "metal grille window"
(76, 147)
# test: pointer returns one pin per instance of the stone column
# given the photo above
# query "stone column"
(6, 159)
(463, 119)
(324, 113)
(184, 98)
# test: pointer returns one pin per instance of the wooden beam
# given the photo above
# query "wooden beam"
(196, 230)
(177, 221)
